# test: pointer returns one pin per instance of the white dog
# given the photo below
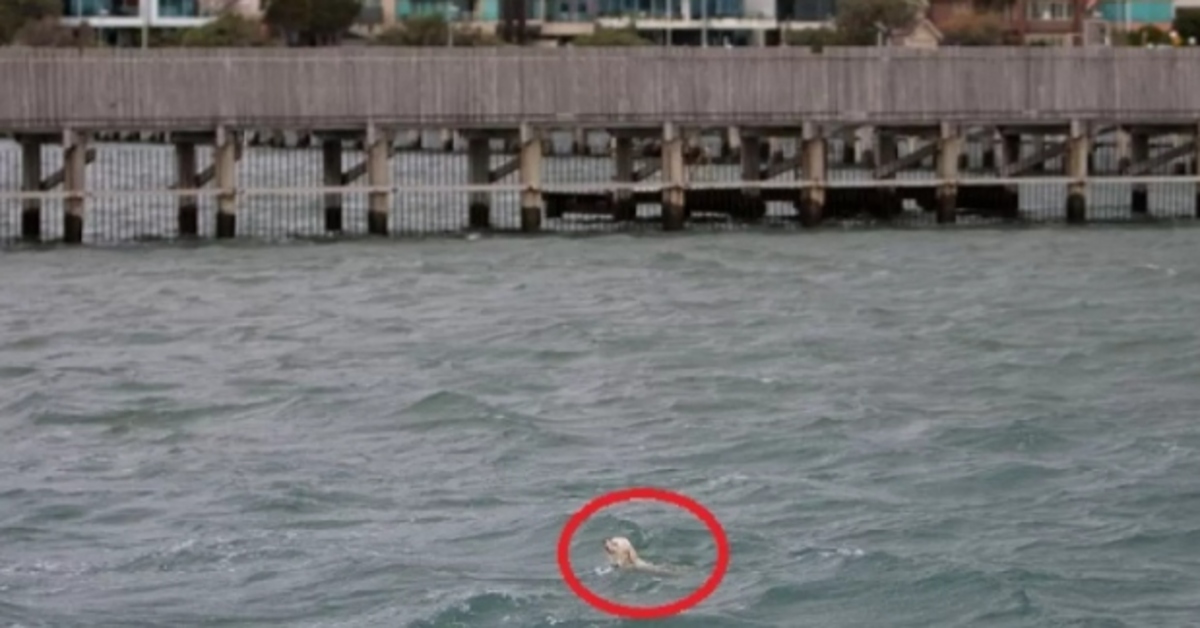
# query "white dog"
(622, 556)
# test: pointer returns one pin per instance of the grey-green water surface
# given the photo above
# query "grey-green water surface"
(983, 428)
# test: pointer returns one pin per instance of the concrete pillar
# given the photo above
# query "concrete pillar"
(733, 143)
(813, 167)
(531, 178)
(887, 150)
(31, 181)
(950, 146)
(865, 150)
(1038, 142)
(751, 165)
(626, 207)
(774, 150)
(225, 162)
(1077, 170)
(1121, 142)
(579, 142)
(75, 182)
(331, 158)
(753, 207)
(1140, 196)
(379, 175)
(479, 160)
(188, 206)
(987, 146)
(674, 177)
(1010, 147)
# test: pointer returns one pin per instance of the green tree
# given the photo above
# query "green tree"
(49, 32)
(857, 20)
(432, 30)
(815, 38)
(16, 14)
(1148, 34)
(312, 22)
(228, 30)
(612, 37)
(974, 29)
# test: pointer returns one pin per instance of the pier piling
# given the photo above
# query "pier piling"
(950, 144)
(752, 171)
(225, 158)
(331, 161)
(479, 155)
(531, 178)
(75, 182)
(674, 176)
(1139, 202)
(379, 177)
(625, 205)
(1077, 165)
(31, 181)
(812, 168)
(187, 208)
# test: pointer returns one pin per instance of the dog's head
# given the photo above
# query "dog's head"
(620, 551)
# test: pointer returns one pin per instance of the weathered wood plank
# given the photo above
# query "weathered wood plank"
(198, 89)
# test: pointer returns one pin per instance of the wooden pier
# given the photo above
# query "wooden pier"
(687, 137)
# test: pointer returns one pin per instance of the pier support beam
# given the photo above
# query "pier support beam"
(674, 176)
(531, 179)
(626, 206)
(1077, 170)
(887, 151)
(31, 181)
(848, 147)
(950, 145)
(813, 168)
(188, 211)
(755, 207)
(225, 164)
(1010, 149)
(74, 181)
(478, 169)
(1139, 202)
(751, 163)
(379, 175)
(331, 158)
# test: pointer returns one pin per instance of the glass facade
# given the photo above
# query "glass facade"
(485, 10)
(1138, 12)
(129, 8)
(179, 8)
(805, 10)
(100, 8)
(670, 8)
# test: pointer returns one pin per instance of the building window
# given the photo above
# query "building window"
(178, 8)
(805, 10)
(1050, 10)
(100, 8)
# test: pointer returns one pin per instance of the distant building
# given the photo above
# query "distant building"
(1134, 14)
(1054, 22)
(121, 22)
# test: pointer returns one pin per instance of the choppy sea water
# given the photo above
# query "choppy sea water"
(979, 428)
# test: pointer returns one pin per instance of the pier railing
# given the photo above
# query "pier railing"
(463, 88)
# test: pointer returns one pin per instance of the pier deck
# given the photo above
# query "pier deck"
(272, 143)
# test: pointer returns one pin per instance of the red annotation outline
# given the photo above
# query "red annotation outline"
(643, 612)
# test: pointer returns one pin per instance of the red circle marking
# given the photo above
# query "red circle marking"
(643, 612)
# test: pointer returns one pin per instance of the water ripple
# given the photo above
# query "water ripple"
(991, 428)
